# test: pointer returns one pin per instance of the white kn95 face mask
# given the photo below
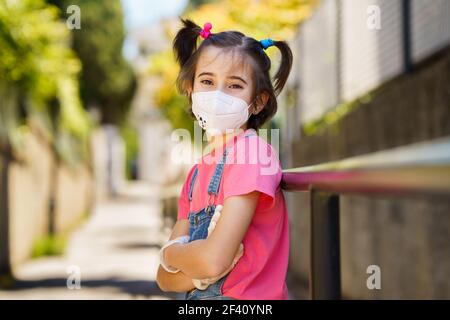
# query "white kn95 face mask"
(217, 111)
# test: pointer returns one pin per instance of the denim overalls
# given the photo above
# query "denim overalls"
(198, 228)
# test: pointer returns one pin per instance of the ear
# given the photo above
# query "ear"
(260, 102)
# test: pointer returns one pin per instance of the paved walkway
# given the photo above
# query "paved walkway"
(115, 253)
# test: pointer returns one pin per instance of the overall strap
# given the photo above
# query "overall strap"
(191, 185)
(214, 183)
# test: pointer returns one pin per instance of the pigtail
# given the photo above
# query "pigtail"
(185, 42)
(285, 66)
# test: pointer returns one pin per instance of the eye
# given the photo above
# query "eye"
(206, 81)
(236, 86)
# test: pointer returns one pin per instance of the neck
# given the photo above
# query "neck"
(218, 141)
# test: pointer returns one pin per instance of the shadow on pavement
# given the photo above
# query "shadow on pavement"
(137, 288)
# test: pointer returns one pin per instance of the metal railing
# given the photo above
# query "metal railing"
(422, 168)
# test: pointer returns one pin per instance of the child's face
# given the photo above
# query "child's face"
(225, 71)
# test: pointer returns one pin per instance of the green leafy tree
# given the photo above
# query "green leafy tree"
(39, 92)
(107, 81)
(38, 76)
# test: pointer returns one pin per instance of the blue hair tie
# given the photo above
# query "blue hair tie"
(266, 43)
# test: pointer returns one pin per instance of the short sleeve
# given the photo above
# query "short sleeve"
(183, 200)
(252, 168)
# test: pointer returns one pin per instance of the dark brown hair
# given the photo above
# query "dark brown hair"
(187, 54)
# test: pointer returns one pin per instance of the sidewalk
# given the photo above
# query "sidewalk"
(115, 253)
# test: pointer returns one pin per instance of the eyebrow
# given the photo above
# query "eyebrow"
(230, 77)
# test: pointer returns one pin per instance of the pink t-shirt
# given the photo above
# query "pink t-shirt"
(261, 271)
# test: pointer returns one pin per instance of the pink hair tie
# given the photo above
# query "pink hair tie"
(206, 30)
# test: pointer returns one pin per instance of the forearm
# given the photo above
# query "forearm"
(174, 282)
(195, 259)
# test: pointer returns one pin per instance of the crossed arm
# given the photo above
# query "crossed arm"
(208, 258)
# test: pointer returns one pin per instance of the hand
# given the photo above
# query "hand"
(163, 252)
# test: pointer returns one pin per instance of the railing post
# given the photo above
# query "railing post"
(406, 30)
(325, 273)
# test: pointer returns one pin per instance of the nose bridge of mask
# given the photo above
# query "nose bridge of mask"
(220, 103)
(226, 104)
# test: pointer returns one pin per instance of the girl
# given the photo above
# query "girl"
(229, 88)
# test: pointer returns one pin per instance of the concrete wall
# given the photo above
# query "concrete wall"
(29, 192)
(407, 238)
(29, 197)
(74, 196)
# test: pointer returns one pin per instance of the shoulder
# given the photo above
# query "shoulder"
(254, 153)
(253, 166)
(253, 149)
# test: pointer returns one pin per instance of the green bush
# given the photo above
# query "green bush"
(52, 245)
